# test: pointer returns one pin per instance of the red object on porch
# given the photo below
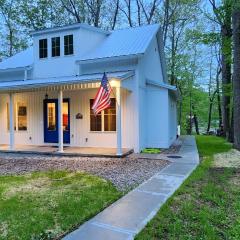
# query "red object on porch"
(65, 119)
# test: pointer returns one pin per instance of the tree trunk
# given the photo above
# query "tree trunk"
(219, 102)
(115, 15)
(209, 115)
(236, 74)
(196, 123)
(190, 115)
(226, 78)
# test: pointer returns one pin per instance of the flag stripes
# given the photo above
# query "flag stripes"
(102, 99)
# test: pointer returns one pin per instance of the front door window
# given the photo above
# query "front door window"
(65, 116)
(51, 120)
(51, 113)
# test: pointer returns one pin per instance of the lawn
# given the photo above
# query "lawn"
(46, 205)
(207, 205)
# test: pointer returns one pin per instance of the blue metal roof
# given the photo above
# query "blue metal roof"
(130, 41)
(22, 59)
(55, 81)
(124, 42)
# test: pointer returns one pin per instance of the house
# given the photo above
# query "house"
(66, 64)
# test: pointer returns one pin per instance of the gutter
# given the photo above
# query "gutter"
(112, 58)
(17, 69)
(161, 85)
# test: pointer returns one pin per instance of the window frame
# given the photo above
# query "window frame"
(55, 47)
(43, 48)
(67, 45)
(102, 119)
(16, 117)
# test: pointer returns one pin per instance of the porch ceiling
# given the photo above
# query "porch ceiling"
(84, 81)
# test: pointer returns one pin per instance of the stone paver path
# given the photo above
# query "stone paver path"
(128, 216)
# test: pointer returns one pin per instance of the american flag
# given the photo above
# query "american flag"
(102, 99)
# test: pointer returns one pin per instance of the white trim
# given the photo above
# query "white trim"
(161, 85)
(17, 69)
(111, 58)
(60, 121)
(11, 121)
(119, 121)
(61, 81)
(68, 27)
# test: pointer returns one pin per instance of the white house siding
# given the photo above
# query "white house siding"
(130, 127)
(151, 63)
(83, 41)
(172, 117)
(80, 128)
(157, 118)
(150, 68)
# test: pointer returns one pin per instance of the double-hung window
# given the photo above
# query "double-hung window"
(104, 121)
(55, 46)
(19, 117)
(68, 44)
(43, 48)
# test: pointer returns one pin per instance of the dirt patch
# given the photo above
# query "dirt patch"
(3, 230)
(229, 159)
(35, 185)
(235, 180)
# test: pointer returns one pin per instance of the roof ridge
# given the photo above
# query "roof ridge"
(136, 27)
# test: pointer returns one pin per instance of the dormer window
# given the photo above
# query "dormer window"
(43, 48)
(68, 44)
(55, 46)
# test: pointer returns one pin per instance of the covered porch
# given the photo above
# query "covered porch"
(61, 89)
(67, 151)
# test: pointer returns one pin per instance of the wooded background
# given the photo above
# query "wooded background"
(201, 40)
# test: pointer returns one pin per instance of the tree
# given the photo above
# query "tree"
(236, 72)
(223, 18)
(11, 36)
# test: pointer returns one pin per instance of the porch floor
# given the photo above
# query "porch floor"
(68, 151)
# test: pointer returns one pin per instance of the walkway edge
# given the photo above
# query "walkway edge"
(129, 215)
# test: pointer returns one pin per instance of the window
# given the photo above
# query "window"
(43, 48)
(51, 113)
(65, 116)
(110, 117)
(22, 117)
(104, 121)
(95, 121)
(55, 46)
(68, 44)
(19, 118)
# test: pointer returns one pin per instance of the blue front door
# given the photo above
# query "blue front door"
(51, 120)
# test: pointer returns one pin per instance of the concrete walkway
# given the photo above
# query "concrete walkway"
(128, 216)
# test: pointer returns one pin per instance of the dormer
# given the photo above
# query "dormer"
(56, 50)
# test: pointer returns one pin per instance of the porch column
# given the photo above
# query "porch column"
(119, 122)
(11, 121)
(60, 121)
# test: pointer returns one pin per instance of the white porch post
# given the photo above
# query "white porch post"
(11, 121)
(119, 122)
(60, 121)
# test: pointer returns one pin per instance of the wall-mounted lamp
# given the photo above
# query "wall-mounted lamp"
(46, 96)
(79, 116)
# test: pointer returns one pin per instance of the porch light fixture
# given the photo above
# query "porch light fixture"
(114, 82)
(46, 96)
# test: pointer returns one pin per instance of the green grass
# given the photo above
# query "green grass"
(46, 205)
(151, 150)
(207, 205)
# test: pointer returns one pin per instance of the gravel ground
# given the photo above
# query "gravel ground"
(124, 173)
